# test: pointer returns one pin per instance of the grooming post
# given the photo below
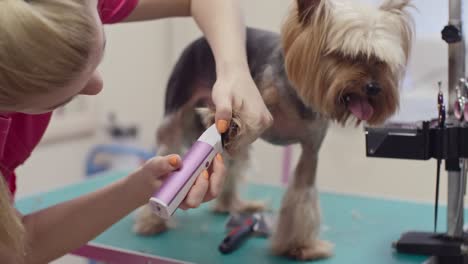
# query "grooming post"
(456, 181)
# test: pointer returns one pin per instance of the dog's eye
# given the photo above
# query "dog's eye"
(379, 63)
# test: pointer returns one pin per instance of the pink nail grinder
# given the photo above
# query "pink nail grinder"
(173, 191)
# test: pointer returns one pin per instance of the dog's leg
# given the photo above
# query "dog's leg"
(169, 141)
(236, 163)
(229, 200)
(297, 230)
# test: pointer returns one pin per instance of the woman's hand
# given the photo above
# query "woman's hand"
(235, 91)
(152, 174)
(208, 185)
(223, 26)
(94, 212)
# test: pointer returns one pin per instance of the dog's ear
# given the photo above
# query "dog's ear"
(306, 7)
(399, 8)
(395, 5)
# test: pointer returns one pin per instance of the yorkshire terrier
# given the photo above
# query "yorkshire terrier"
(334, 61)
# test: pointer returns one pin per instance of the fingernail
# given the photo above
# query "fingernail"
(173, 160)
(205, 175)
(222, 126)
(219, 157)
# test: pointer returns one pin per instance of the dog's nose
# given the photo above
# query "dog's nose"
(372, 89)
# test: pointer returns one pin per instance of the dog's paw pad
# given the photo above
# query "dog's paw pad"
(147, 229)
(318, 250)
(240, 207)
(250, 206)
(221, 208)
(147, 223)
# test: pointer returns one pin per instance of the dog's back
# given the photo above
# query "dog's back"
(194, 74)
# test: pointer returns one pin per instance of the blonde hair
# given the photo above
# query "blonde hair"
(44, 45)
(11, 227)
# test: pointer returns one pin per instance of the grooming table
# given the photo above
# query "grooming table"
(362, 230)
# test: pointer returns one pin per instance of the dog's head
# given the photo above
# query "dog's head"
(347, 59)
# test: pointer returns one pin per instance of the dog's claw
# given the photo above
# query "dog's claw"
(149, 229)
(319, 250)
(240, 207)
(229, 134)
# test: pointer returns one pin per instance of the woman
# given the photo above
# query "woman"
(49, 52)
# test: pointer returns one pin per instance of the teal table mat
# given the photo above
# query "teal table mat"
(362, 229)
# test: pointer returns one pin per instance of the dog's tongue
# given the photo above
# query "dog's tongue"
(360, 107)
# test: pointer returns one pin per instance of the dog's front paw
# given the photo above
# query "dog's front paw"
(240, 206)
(317, 250)
(147, 223)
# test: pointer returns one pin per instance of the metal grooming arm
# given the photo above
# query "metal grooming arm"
(456, 70)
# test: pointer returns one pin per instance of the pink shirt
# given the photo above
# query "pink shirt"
(20, 133)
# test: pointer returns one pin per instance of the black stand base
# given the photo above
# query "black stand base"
(446, 250)
(423, 141)
(418, 141)
(447, 260)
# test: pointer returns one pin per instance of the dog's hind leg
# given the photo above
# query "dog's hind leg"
(297, 231)
(229, 200)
